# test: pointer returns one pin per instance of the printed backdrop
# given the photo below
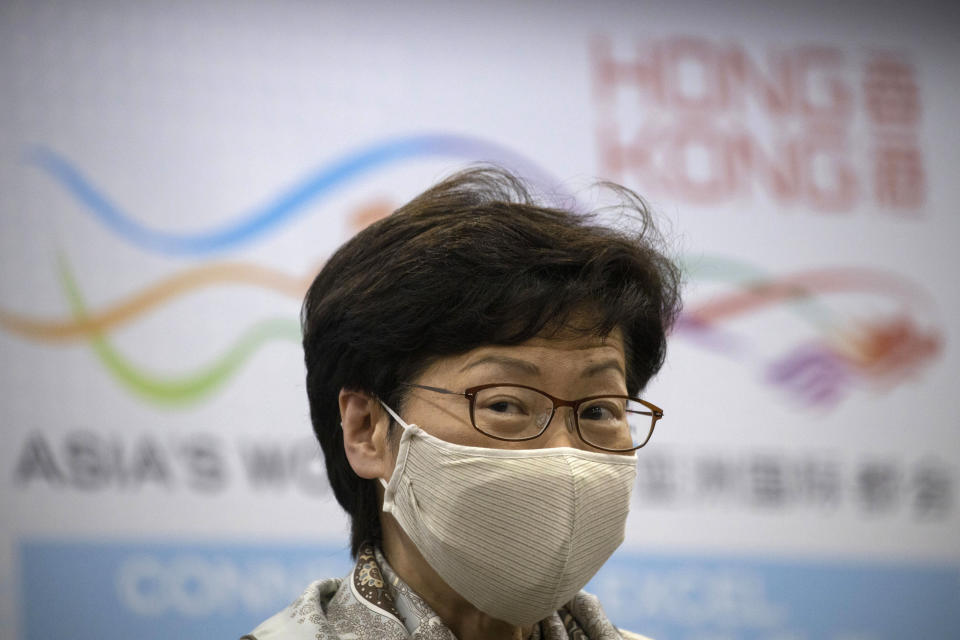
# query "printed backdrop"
(172, 175)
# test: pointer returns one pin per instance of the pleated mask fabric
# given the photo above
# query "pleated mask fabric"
(517, 533)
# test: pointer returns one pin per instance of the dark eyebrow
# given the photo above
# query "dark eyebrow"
(532, 369)
(603, 366)
(506, 361)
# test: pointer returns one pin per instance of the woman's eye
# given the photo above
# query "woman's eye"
(592, 413)
(600, 412)
(504, 406)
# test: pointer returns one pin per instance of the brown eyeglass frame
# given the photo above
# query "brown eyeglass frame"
(656, 413)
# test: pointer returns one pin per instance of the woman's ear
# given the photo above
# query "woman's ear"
(365, 428)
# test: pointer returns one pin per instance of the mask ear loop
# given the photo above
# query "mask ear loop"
(395, 416)
(407, 429)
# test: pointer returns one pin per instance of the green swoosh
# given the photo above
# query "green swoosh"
(185, 389)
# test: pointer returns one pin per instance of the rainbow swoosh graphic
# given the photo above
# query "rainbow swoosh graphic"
(845, 350)
(817, 372)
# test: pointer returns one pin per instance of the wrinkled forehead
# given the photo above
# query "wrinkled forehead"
(567, 353)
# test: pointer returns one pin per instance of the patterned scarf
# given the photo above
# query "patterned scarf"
(373, 603)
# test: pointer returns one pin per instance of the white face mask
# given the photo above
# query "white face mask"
(517, 533)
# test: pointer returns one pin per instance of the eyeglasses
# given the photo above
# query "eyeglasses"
(515, 412)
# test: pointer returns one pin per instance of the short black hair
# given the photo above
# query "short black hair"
(475, 260)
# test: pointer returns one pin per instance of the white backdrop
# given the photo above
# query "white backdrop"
(173, 174)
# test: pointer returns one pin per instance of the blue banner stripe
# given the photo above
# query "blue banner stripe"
(148, 590)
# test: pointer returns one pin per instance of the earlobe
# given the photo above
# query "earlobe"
(365, 426)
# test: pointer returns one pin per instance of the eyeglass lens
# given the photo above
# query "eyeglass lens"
(516, 413)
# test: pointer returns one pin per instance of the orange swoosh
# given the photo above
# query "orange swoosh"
(127, 309)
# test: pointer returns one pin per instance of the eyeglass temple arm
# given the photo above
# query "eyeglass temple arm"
(437, 389)
(650, 412)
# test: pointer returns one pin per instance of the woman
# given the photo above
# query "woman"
(473, 362)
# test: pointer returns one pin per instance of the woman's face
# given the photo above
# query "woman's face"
(567, 365)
